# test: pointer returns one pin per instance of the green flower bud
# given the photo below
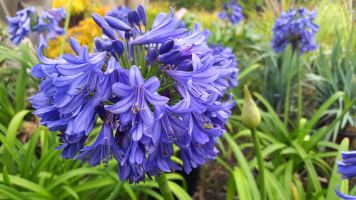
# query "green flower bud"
(251, 117)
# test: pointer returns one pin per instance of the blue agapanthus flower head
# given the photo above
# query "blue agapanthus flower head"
(20, 26)
(295, 27)
(152, 87)
(121, 13)
(48, 24)
(231, 12)
(44, 25)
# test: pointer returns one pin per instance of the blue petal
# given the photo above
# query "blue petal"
(135, 76)
(122, 90)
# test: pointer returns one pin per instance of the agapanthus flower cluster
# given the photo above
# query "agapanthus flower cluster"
(45, 25)
(153, 89)
(295, 27)
(231, 12)
(121, 13)
(229, 60)
(347, 168)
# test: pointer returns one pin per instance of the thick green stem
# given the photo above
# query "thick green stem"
(299, 114)
(164, 188)
(261, 173)
(66, 24)
(286, 103)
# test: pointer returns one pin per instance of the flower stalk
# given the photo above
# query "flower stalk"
(163, 187)
(66, 25)
(299, 114)
(251, 118)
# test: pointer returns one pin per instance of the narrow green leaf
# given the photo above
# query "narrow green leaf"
(116, 191)
(316, 117)
(129, 191)
(70, 174)
(70, 191)
(309, 165)
(267, 151)
(231, 188)
(12, 193)
(244, 166)
(241, 184)
(335, 177)
(11, 137)
(178, 191)
(26, 167)
(27, 184)
(6, 178)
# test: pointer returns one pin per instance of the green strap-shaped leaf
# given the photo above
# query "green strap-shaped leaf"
(11, 137)
(244, 166)
(12, 193)
(335, 177)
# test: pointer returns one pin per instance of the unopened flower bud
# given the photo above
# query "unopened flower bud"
(166, 46)
(152, 55)
(98, 20)
(118, 46)
(108, 31)
(117, 24)
(181, 25)
(98, 44)
(251, 117)
(142, 12)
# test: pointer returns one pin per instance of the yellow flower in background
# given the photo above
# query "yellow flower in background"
(78, 6)
(84, 33)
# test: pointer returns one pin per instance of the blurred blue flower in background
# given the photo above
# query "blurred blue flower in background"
(45, 26)
(297, 28)
(232, 12)
(121, 13)
(20, 26)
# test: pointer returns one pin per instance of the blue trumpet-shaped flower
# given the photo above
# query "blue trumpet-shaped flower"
(133, 106)
(162, 32)
(102, 148)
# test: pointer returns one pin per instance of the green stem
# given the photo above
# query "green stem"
(299, 114)
(261, 173)
(286, 106)
(164, 188)
(66, 24)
